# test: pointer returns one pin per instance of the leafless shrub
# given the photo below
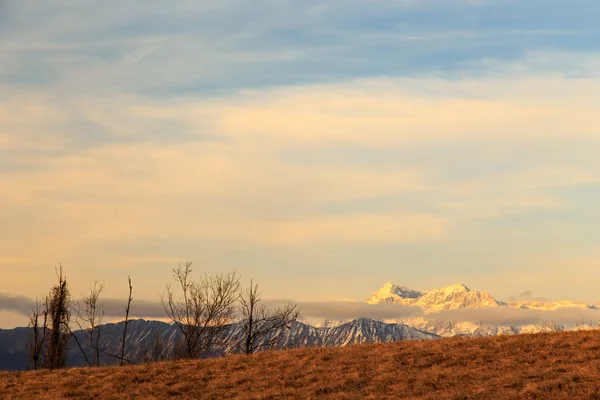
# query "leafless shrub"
(89, 319)
(38, 339)
(203, 310)
(130, 299)
(261, 326)
(59, 311)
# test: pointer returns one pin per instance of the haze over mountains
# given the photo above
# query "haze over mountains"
(448, 311)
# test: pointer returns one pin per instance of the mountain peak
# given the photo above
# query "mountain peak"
(444, 298)
(393, 293)
(455, 296)
(459, 287)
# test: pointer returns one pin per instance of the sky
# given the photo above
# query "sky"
(319, 148)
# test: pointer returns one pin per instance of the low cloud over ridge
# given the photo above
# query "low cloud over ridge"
(348, 310)
(112, 307)
(344, 310)
(511, 316)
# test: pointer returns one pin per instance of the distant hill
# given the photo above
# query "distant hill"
(143, 335)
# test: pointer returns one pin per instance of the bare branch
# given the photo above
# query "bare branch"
(130, 299)
(261, 326)
(38, 340)
(202, 311)
(90, 319)
(68, 328)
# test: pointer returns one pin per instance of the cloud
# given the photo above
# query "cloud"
(124, 131)
(139, 308)
(528, 296)
(112, 307)
(348, 310)
(358, 163)
(376, 113)
(509, 316)
(115, 308)
(400, 112)
(16, 303)
(197, 47)
(344, 310)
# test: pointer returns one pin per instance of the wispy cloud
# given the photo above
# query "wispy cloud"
(197, 47)
(367, 162)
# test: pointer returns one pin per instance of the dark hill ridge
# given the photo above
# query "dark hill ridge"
(143, 335)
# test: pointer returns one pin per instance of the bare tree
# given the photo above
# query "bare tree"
(261, 326)
(58, 308)
(126, 321)
(90, 318)
(38, 339)
(202, 312)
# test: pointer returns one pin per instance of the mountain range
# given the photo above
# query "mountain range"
(154, 340)
(445, 298)
(459, 297)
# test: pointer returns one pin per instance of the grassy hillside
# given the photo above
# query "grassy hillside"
(553, 366)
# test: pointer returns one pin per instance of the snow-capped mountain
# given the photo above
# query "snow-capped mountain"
(365, 330)
(445, 298)
(392, 293)
(446, 328)
(455, 297)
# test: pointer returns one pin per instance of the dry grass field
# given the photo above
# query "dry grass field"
(542, 366)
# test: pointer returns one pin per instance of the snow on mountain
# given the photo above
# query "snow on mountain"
(446, 328)
(361, 330)
(455, 296)
(365, 330)
(445, 298)
(459, 296)
(392, 293)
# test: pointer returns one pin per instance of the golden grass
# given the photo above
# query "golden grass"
(542, 366)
